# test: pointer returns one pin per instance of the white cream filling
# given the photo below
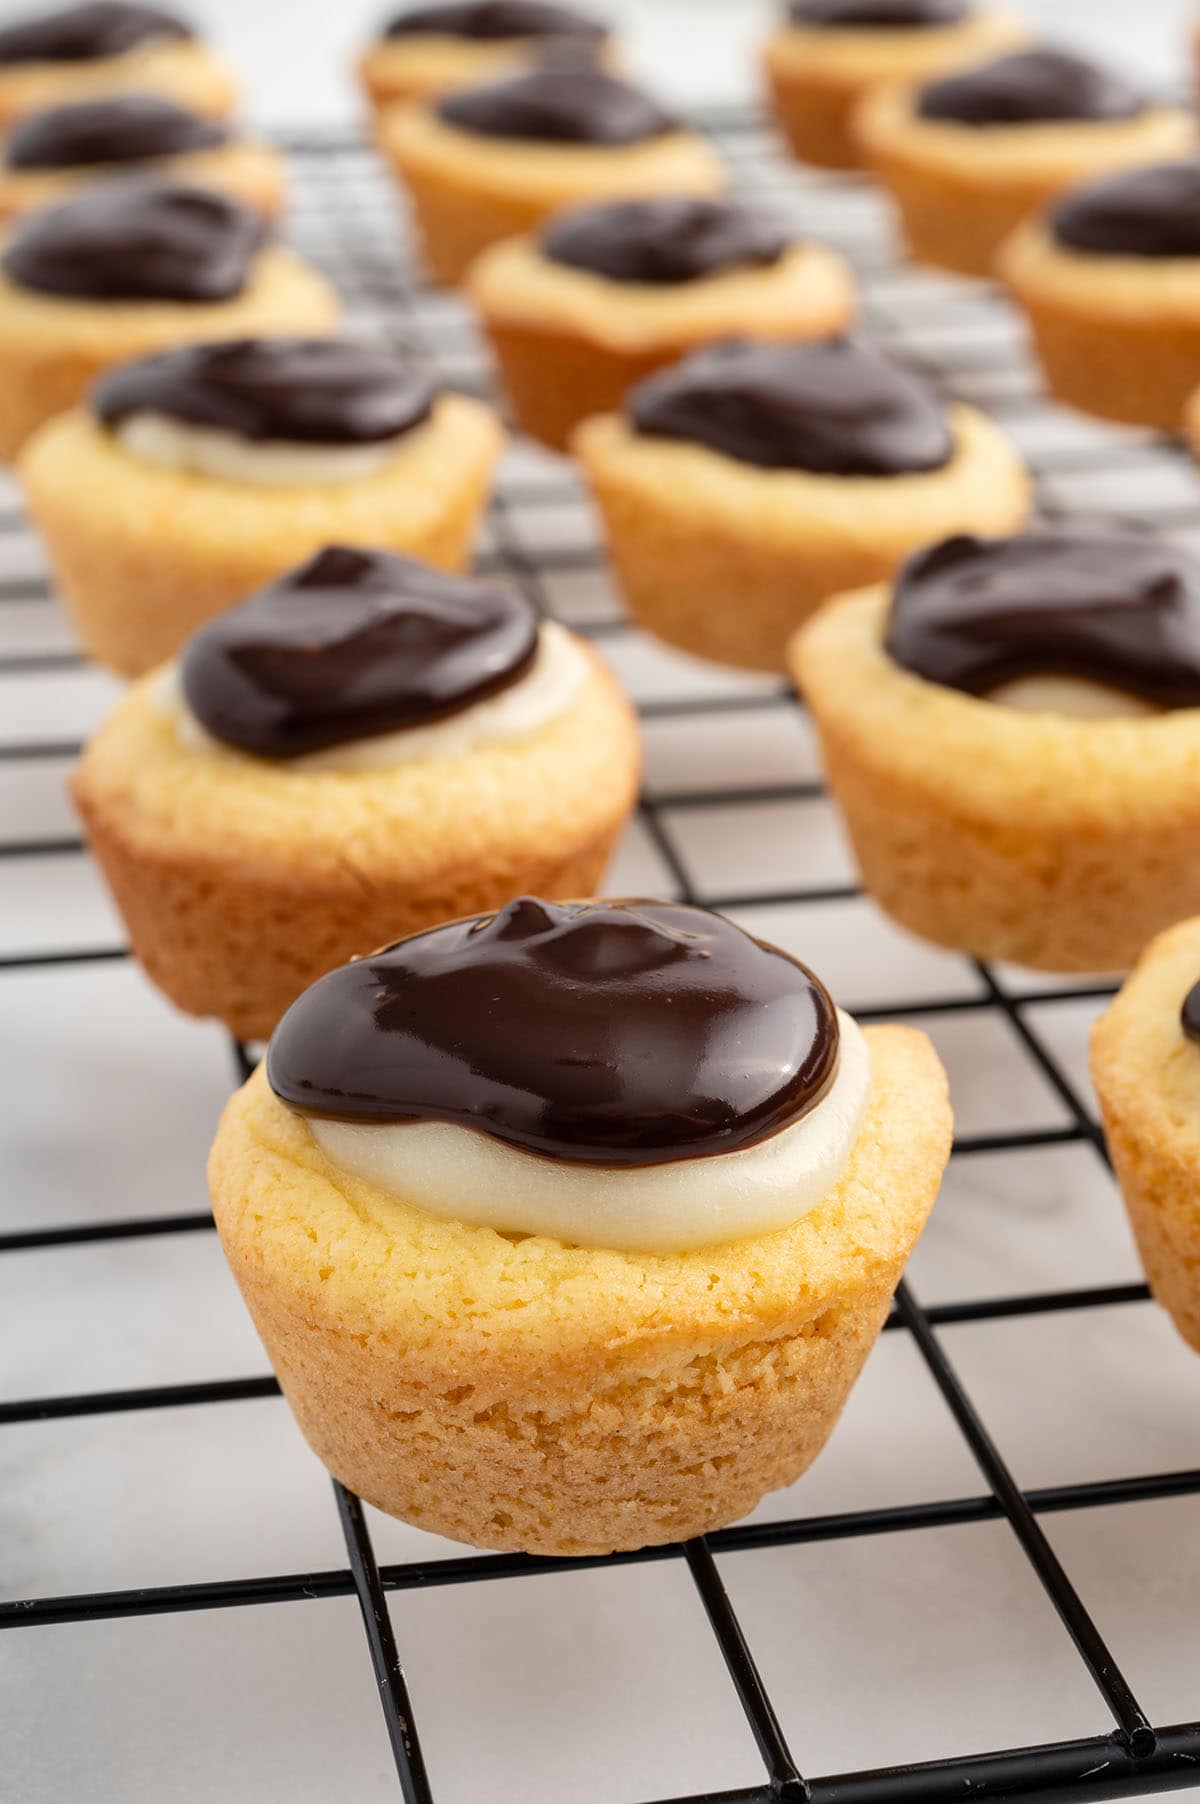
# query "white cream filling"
(189, 450)
(458, 1174)
(1075, 697)
(548, 688)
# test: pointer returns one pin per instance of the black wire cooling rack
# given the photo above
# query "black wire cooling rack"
(964, 338)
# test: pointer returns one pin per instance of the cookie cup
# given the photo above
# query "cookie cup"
(519, 1393)
(241, 881)
(469, 191)
(420, 66)
(186, 72)
(1116, 336)
(1054, 842)
(1147, 1076)
(52, 347)
(247, 171)
(816, 77)
(569, 344)
(961, 190)
(142, 556)
(726, 560)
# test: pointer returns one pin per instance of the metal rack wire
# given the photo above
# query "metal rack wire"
(964, 339)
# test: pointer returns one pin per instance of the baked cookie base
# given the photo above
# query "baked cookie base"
(240, 883)
(143, 556)
(470, 192)
(726, 560)
(185, 71)
(250, 172)
(1057, 843)
(1147, 1076)
(526, 1395)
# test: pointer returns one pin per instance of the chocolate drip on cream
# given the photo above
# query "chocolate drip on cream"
(83, 34)
(1189, 1015)
(1031, 87)
(885, 15)
(313, 391)
(599, 1033)
(833, 407)
(350, 645)
(135, 239)
(562, 101)
(122, 128)
(494, 19)
(1117, 608)
(1152, 212)
(664, 240)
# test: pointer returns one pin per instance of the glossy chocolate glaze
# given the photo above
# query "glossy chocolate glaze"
(562, 101)
(600, 1033)
(1189, 1015)
(886, 15)
(313, 391)
(1112, 607)
(1152, 212)
(81, 34)
(1031, 87)
(833, 407)
(494, 19)
(350, 645)
(136, 239)
(122, 128)
(664, 240)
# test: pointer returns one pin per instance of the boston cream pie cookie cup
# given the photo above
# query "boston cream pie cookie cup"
(1110, 284)
(605, 295)
(81, 52)
(969, 156)
(49, 156)
(1146, 1068)
(741, 488)
(429, 50)
(539, 1271)
(828, 54)
(132, 267)
(368, 748)
(196, 476)
(489, 163)
(1012, 737)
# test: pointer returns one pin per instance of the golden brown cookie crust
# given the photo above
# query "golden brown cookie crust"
(186, 72)
(142, 556)
(1058, 843)
(960, 192)
(1116, 336)
(569, 343)
(242, 881)
(726, 560)
(520, 1393)
(53, 347)
(248, 171)
(816, 77)
(419, 67)
(1147, 1075)
(468, 192)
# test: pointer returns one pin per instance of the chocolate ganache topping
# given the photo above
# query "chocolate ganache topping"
(1152, 212)
(122, 128)
(895, 15)
(560, 102)
(314, 391)
(664, 240)
(1190, 1013)
(600, 1033)
(82, 34)
(494, 19)
(136, 239)
(1117, 608)
(1031, 87)
(833, 407)
(350, 645)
